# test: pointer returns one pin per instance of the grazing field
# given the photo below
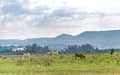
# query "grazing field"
(93, 64)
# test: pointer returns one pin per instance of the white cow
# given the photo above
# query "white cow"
(54, 53)
(26, 55)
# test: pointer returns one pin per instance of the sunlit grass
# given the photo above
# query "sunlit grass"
(94, 64)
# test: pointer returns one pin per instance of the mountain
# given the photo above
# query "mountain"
(101, 39)
(10, 42)
(64, 37)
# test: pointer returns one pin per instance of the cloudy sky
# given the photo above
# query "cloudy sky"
(21, 19)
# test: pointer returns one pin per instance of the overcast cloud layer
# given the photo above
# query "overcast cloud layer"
(21, 19)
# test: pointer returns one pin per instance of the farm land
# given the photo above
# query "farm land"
(63, 64)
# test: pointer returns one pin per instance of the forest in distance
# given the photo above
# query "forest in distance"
(36, 49)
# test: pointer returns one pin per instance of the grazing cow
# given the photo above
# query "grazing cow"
(112, 51)
(49, 53)
(79, 55)
(54, 53)
(26, 55)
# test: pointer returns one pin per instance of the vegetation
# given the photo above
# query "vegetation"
(37, 49)
(86, 48)
(34, 49)
(93, 64)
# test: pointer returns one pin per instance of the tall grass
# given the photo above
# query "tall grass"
(94, 64)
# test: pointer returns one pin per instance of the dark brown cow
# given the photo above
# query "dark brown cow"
(112, 51)
(79, 55)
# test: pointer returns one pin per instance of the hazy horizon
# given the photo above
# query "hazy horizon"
(53, 35)
(22, 19)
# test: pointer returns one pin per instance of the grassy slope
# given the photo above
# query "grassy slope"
(95, 64)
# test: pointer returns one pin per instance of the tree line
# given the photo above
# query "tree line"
(33, 49)
(86, 48)
(36, 49)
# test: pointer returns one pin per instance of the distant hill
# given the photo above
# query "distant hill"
(64, 37)
(101, 39)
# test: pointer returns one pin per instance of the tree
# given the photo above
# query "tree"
(37, 49)
(86, 48)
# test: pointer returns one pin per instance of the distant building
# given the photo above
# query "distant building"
(18, 49)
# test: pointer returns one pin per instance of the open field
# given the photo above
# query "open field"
(94, 64)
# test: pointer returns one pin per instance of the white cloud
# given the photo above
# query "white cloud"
(46, 18)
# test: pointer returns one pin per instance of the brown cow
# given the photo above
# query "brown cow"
(79, 55)
(112, 51)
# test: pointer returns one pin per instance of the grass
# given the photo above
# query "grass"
(94, 64)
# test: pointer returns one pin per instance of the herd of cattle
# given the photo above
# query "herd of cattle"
(54, 53)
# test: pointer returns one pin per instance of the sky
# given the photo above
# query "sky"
(22, 19)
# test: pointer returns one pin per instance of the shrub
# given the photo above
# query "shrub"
(20, 62)
(47, 63)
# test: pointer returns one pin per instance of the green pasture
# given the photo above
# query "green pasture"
(94, 64)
